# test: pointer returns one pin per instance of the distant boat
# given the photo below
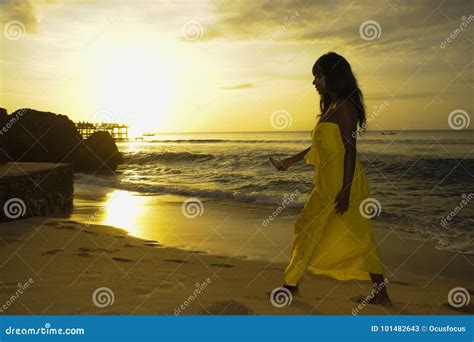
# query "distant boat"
(388, 133)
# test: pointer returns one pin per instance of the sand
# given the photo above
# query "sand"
(58, 266)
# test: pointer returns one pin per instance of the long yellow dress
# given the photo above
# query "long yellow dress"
(325, 242)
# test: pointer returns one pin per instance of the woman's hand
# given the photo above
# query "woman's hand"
(342, 200)
(285, 164)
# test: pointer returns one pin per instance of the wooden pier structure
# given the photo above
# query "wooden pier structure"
(117, 131)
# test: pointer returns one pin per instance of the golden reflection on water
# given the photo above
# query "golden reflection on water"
(124, 210)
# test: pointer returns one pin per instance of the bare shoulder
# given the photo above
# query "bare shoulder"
(345, 113)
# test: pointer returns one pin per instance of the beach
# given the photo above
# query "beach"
(56, 266)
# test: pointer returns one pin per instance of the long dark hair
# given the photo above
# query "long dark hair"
(340, 82)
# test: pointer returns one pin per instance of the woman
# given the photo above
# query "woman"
(332, 235)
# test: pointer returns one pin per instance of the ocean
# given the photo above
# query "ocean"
(423, 180)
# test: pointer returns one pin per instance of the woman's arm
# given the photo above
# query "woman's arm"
(287, 162)
(347, 120)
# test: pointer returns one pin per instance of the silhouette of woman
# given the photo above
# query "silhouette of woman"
(332, 234)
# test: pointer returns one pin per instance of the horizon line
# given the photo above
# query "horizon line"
(303, 131)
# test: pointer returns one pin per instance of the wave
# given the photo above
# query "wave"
(445, 170)
(142, 158)
(153, 189)
(415, 141)
(243, 141)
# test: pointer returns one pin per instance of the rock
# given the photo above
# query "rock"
(99, 154)
(35, 189)
(4, 158)
(36, 136)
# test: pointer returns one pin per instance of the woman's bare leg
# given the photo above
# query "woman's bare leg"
(379, 290)
(293, 289)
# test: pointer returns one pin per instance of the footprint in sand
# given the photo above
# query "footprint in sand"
(178, 261)
(152, 244)
(89, 232)
(66, 228)
(86, 251)
(121, 259)
(227, 307)
(53, 252)
(223, 265)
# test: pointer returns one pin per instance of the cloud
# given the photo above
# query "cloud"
(417, 25)
(20, 10)
(239, 86)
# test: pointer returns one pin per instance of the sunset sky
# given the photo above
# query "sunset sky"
(203, 66)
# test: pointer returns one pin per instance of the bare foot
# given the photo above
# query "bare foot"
(378, 299)
(293, 289)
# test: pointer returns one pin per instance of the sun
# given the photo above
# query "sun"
(135, 87)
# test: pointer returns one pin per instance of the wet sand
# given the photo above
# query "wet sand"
(66, 267)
